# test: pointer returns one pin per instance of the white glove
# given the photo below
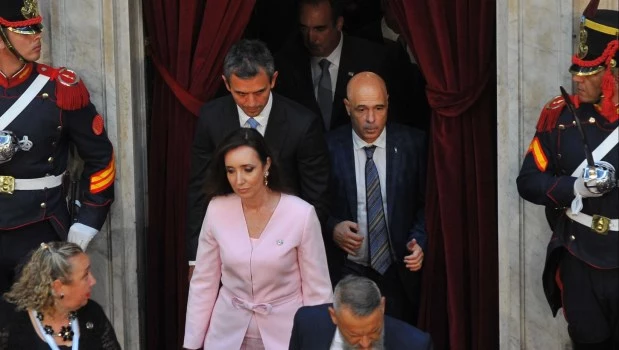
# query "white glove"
(581, 191)
(81, 235)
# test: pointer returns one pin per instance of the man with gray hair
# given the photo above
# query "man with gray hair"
(357, 321)
(293, 133)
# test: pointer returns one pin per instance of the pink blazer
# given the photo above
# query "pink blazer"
(286, 270)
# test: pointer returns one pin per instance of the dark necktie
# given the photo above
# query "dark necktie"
(253, 123)
(325, 95)
(380, 258)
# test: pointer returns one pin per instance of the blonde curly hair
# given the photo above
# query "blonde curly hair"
(50, 262)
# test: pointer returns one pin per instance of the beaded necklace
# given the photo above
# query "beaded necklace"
(70, 332)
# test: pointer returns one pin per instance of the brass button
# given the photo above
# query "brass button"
(572, 238)
(591, 120)
(50, 159)
(573, 122)
(54, 144)
(561, 127)
(44, 95)
(48, 174)
(59, 128)
(559, 156)
(43, 205)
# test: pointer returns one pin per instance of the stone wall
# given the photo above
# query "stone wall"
(102, 41)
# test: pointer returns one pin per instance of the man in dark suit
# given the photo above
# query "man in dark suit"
(355, 320)
(293, 133)
(408, 85)
(377, 186)
(317, 65)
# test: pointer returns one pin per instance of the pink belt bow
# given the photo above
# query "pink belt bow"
(263, 308)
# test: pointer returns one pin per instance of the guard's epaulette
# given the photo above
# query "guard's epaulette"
(71, 93)
(550, 114)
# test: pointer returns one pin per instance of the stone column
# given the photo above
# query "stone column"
(102, 41)
(535, 41)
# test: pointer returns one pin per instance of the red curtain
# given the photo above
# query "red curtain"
(188, 41)
(454, 43)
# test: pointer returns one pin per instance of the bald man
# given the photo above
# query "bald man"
(376, 226)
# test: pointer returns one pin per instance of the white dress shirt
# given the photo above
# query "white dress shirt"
(334, 59)
(380, 160)
(338, 342)
(262, 118)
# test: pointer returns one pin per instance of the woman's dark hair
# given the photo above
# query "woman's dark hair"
(216, 183)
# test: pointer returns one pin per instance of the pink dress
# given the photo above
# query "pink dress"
(283, 270)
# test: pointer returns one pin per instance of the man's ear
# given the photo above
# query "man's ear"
(226, 82)
(347, 105)
(339, 23)
(333, 315)
(382, 304)
(274, 78)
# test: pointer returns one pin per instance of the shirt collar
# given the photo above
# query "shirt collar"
(388, 33)
(334, 57)
(261, 118)
(380, 142)
(338, 341)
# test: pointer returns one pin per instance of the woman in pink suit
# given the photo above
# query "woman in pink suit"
(265, 248)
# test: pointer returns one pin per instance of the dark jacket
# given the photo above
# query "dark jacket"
(314, 329)
(17, 332)
(52, 131)
(295, 73)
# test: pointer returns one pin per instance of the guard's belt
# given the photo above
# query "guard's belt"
(8, 184)
(597, 223)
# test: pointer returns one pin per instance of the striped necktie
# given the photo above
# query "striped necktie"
(380, 258)
(253, 123)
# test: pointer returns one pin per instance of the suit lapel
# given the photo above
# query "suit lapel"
(393, 166)
(230, 120)
(348, 165)
(277, 128)
(342, 75)
(306, 81)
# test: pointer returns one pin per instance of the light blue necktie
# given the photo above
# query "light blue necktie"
(253, 123)
(380, 256)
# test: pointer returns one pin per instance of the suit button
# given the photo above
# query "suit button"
(50, 159)
(572, 238)
(559, 156)
(561, 127)
(43, 205)
(44, 95)
(59, 128)
(591, 120)
(54, 144)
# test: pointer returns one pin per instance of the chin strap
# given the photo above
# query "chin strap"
(10, 46)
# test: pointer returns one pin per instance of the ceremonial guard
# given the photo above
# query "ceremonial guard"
(570, 168)
(43, 112)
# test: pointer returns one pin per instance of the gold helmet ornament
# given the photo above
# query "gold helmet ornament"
(21, 17)
(598, 50)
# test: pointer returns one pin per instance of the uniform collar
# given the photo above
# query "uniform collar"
(17, 78)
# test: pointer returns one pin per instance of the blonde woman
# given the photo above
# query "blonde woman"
(50, 307)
